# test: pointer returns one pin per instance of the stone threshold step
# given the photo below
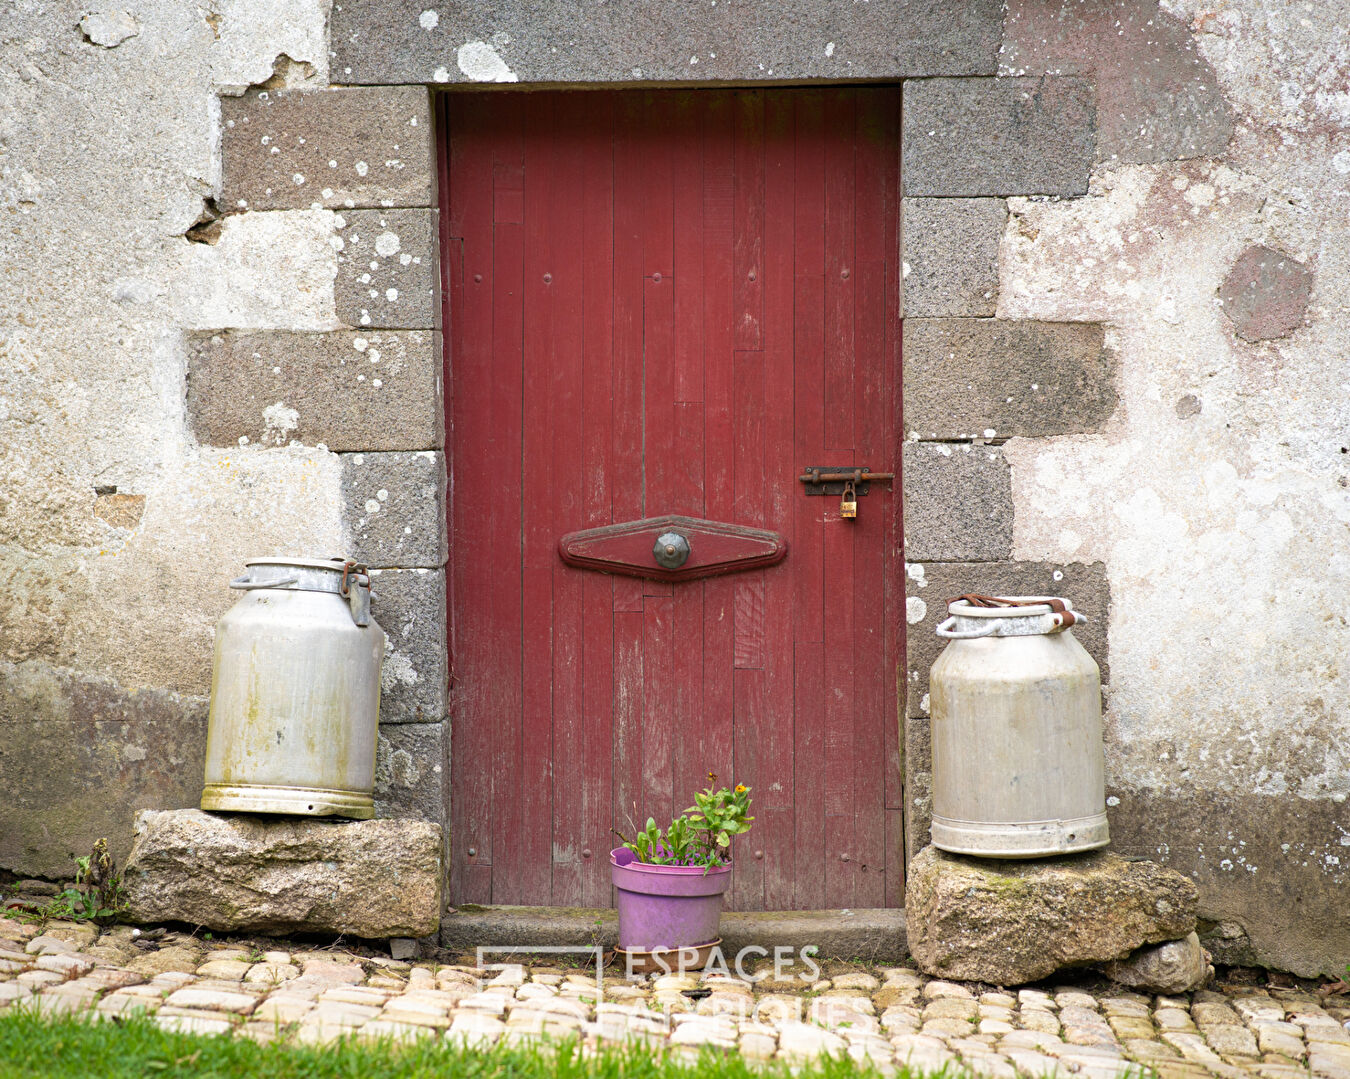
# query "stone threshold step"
(866, 934)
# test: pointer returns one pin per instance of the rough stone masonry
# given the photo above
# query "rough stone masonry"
(1126, 252)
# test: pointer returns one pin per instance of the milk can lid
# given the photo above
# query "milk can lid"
(1007, 616)
(973, 605)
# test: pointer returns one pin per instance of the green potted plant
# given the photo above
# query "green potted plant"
(670, 882)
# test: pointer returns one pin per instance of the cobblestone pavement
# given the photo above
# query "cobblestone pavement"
(887, 1015)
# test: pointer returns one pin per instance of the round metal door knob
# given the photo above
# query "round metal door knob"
(671, 550)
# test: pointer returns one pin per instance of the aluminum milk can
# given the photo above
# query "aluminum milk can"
(1018, 769)
(295, 692)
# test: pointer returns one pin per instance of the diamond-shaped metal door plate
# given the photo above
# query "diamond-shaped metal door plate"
(631, 548)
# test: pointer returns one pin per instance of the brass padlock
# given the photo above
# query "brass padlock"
(848, 506)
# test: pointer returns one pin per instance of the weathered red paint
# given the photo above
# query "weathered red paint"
(670, 303)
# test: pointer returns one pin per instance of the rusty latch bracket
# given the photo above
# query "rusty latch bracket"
(831, 479)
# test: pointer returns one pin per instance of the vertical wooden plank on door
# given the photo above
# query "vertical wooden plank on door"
(658, 721)
(504, 444)
(688, 458)
(658, 688)
(875, 689)
(747, 888)
(687, 267)
(627, 478)
(841, 743)
(626, 474)
(687, 768)
(749, 218)
(747, 882)
(809, 745)
(749, 510)
(839, 270)
(597, 661)
(530, 845)
(468, 225)
(659, 448)
(774, 798)
(809, 417)
(715, 733)
(841, 854)
(566, 205)
(628, 681)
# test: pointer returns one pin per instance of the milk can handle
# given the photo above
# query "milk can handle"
(944, 630)
(245, 584)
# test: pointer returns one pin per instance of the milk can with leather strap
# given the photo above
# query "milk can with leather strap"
(1015, 700)
(295, 692)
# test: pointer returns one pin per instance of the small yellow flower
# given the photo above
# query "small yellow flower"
(741, 788)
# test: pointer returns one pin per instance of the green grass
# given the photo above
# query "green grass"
(74, 1047)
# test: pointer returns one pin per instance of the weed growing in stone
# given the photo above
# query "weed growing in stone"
(95, 896)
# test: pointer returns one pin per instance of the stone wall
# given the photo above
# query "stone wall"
(1125, 250)
(220, 337)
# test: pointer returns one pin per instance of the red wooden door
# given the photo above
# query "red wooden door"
(670, 303)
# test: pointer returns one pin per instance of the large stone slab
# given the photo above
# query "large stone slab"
(571, 42)
(1005, 136)
(986, 378)
(412, 775)
(388, 269)
(1010, 922)
(951, 256)
(340, 149)
(918, 784)
(393, 508)
(374, 879)
(958, 502)
(409, 605)
(412, 771)
(375, 390)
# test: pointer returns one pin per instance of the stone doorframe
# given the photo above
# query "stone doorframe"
(372, 393)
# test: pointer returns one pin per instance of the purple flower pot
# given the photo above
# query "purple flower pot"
(666, 906)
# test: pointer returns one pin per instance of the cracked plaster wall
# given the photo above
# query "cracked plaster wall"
(107, 155)
(1217, 494)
